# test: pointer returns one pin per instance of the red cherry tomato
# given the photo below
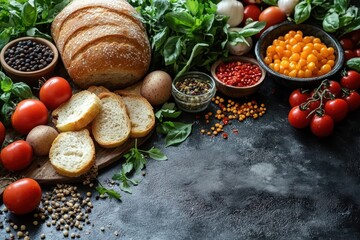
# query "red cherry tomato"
(28, 114)
(272, 15)
(22, 196)
(347, 44)
(17, 155)
(353, 100)
(349, 54)
(335, 88)
(351, 80)
(251, 11)
(357, 52)
(298, 97)
(337, 109)
(322, 126)
(2, 133)
(299, 118)
(54, 92)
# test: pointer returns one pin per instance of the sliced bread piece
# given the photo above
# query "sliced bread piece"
(141, 114)
(72, 153)
(76, 113)
(111, 127)
(97, 89)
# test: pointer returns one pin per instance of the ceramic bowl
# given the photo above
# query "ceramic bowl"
(31, 77)
(234, 91)
(193, 102)
(274, 32)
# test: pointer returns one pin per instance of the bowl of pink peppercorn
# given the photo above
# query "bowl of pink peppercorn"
(237, 76)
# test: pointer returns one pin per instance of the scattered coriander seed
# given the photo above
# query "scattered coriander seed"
(22, 227)
(7, 229)
(102, 229)
(116, 233)
(15, 227)
(20, 234)
(42, 236)
(66, 233)
(26, 238)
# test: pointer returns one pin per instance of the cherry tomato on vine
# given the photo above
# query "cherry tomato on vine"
(2, 133)
(298, 97)
(322, 126)
(352, 100)
(272, 15)
(28, 114)
(351, 80)
(22, 196)
(337, 109)
(347, 44)
(251, 11)
(54, 92)
(17, 155)
(335, 88)
(299, 118)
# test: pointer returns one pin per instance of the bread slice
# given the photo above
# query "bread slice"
(111, 127)
(141, 114)
(97, 89)
(72, 153)
(78, 112)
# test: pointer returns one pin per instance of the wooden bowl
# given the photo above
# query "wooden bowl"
(233, 91)
(32, 77)
(274, 32)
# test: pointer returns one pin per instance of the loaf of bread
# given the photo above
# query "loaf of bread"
(72, 153)
(111, 127)
(102, 42)
(141, 114)
(76, 113)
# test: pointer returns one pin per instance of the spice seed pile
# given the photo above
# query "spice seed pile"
(230, 111)
(63, 208)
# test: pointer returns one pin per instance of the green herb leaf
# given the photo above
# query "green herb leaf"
(29, 14)
(252, 28)
(168, 110)
(4, 37)
(177, 134)
(302, 12)
(156, 154)
(341, 5)
(160, 38)
(354, 63)
(110, 192)
(172, 50)
(21, 90)
(270, 2)
(331, 22)
(6, 83)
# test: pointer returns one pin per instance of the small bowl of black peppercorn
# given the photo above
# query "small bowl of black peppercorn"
(193, 91)
(29, 59)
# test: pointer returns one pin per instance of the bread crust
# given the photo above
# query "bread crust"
(86, 164)
(102, 42)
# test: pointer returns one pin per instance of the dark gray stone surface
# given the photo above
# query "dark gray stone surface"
(268, 181)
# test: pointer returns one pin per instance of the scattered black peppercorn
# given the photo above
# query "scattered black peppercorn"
(28, 56)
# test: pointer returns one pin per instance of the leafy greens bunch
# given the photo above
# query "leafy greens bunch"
(27, 18)
(135, 161)
(184, 34)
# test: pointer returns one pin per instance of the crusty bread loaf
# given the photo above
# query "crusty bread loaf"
(72, 153)
(97, 89)
(76, 113)
(102, 42)
(111, 127)
(141, 114)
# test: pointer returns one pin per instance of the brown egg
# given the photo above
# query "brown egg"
(156, 87)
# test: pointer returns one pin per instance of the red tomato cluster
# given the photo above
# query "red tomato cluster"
(351, 44)
(24, 195)
(324, 106)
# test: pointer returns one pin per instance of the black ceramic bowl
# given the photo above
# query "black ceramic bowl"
(274, 32)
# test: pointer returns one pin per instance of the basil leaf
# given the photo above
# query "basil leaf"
(34, 32)
(110, 192)
(29, 14)
(331, 22)
(159, 39)
(354, 63)
(156, 154)
(21, 90)
(341, 5)
(172, 50)
(6, 111)
(302, 12)
(177, 134)
(252, 29)
(193, 7)
(270, 2)
(6, 84)
(5, 96)
(4, 37)
(180, 21)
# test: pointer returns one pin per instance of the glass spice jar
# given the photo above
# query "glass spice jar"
(193, 91)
